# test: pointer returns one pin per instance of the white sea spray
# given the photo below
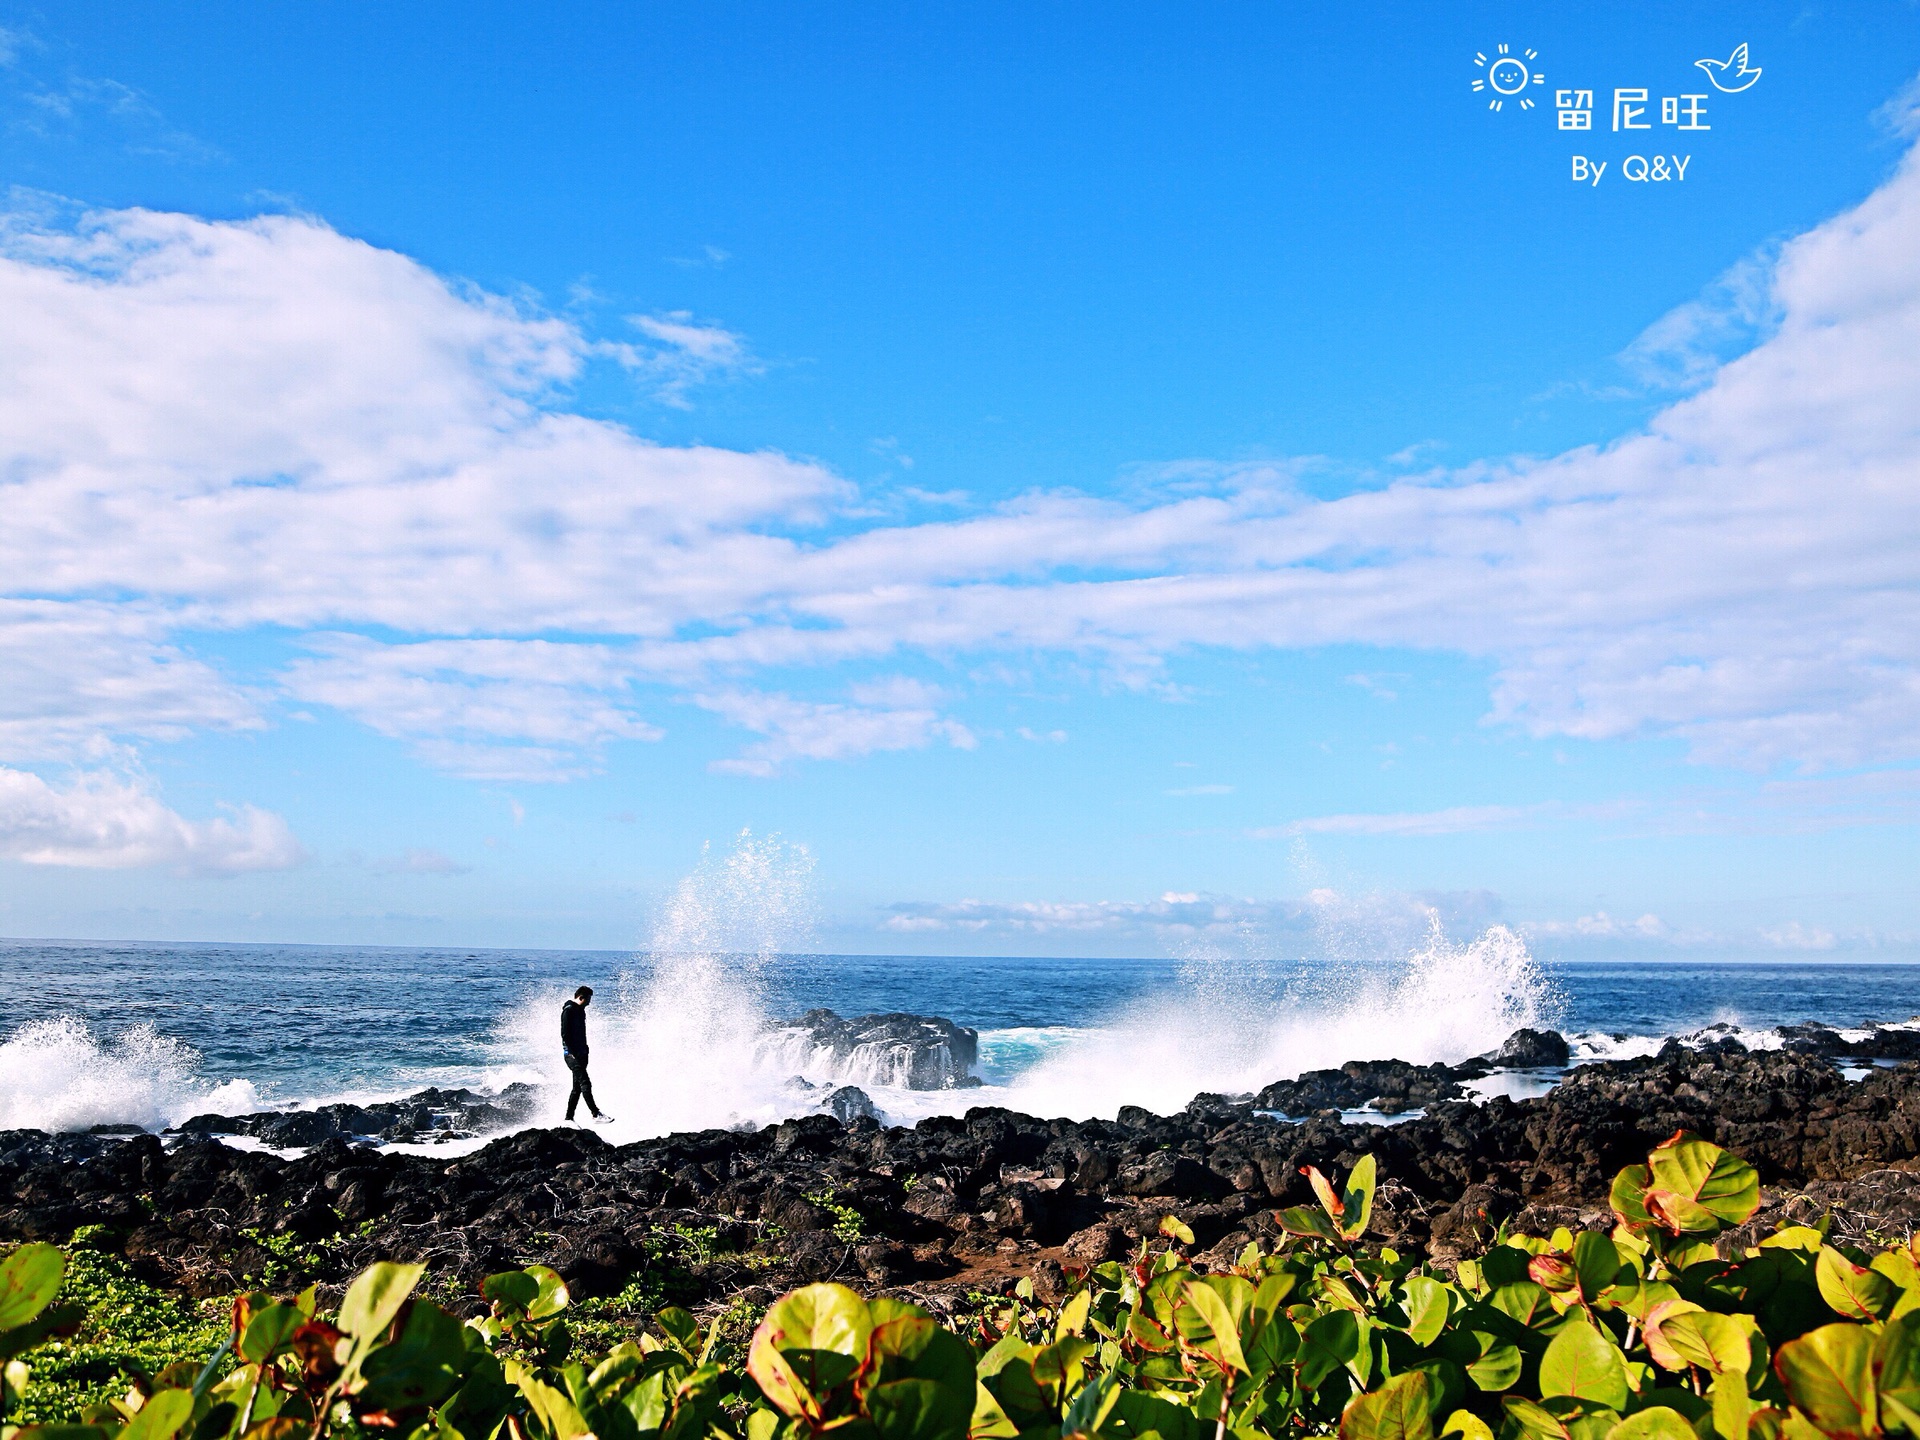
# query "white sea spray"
(57, 1074)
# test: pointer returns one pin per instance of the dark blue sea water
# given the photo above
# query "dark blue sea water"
(98, 1033)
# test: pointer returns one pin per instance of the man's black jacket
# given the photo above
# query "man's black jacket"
(573, 1029)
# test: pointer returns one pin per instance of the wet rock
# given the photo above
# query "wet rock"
(1902, 1043)
(425, 1115)
(1813, 1038)
(1390, 1086)
(850, 1102)
(1527, 1049)
(720, 1209)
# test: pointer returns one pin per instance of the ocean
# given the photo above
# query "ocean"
(151, 1034)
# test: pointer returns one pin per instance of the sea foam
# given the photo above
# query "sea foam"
(58, 1075)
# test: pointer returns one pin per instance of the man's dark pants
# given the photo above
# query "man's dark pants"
(582, 1087)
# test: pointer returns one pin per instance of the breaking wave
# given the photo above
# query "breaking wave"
(59, 1075)
(693, 1047)
(1236, 1025)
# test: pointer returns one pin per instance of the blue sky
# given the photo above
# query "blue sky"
(1104, 480)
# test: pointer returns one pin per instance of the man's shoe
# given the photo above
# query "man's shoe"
(603, 1119)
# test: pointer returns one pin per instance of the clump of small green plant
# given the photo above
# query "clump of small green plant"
(131, 1332)
(1646, 1332)
(848, 1224)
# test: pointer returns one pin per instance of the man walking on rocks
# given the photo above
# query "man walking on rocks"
(573, 1044)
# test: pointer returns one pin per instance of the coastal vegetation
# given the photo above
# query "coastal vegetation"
(1678, 1321)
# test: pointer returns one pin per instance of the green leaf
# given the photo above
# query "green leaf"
(1553, 1273)
(1896, 1366)
(1329, 1342)
(1732, 1406)
(1073, 1315)
(1467, 1425)
(1583, 1363)
(1498, 1367)
(1305, 1220)
(917, 1348)
(1137, 1414)
(919, 1410)
(678, 1325)
(1225, 1346)
(777, 1379)
(1533, 1421)
(1629, 1196)
(375, 1297)
(1829, 1374)
(511, 1289)
(1009, 1347)
(1596, 1261)
(1705, 1177)
(819, 1317)
(551, 1297)
(161, 1417)
(1090, 1408)
(1719, 1344)
(1021, 1395)
(421, 1367)
(1523, 1302)
(1654, 1332)
(556, 1410)
(990, 1421)
(1428, 1304)
(1852, 1291)
(1174, 1228)
(1446, 1382)
(1398, 1410)
(1656, 1422)
(269, 1331)
(1058, 1367)
(29, 1279)
(1795, 1237)
(1357, 1203)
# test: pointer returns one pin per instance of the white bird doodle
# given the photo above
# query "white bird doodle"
(1733, 74)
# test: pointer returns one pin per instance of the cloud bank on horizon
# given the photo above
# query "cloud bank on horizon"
(268, 428)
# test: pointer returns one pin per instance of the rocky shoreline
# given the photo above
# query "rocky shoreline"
(968, 1203)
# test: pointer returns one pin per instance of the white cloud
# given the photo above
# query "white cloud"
(38, 104)
(421, 860)
(804, 730)
(211, 427)
(1599, 925)
(1038, 737)
(1174, 912)
(1795, 936)
(486, 709)
(1459, 820)
(685, 353)
(105, 822)
(1381, 687)
(1185, 790)
(78, 673)
(1323, 921)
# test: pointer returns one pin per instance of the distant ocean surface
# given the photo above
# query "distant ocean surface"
(149, 1034)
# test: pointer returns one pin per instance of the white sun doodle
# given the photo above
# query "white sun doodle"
(1508, 75)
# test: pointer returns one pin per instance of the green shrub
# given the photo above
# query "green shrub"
(1648, 1332)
